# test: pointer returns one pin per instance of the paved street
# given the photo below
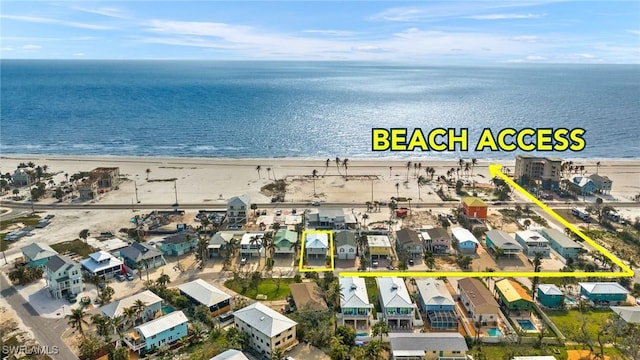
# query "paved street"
(47, 331)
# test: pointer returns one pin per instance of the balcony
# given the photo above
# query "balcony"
(134, 341)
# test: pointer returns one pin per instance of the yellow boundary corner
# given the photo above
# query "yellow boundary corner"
(301, 267)
(496, 171)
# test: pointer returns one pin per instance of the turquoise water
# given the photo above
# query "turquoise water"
(167, 309)
(526, 325)
(362, 334)
(494, 332)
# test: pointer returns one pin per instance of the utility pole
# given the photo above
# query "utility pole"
(175, 189)
(136, 187)
(33, 211)
(371, 190)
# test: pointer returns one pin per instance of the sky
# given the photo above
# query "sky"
(423, 31)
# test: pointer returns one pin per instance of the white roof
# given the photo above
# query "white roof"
(100, 256)
(463, 235)
(94, 265)
(163, 323)
(292, 219)
(393, 292)
(231, 354)
(531, 236)
(115, 308)
(434, 292)
(264, 319)
(630, 314)
(603, 288)
(354, 293)
(246, 238)
(378, 241)
(204, 293)
(549, 289)
(111, 244)
(316, 241)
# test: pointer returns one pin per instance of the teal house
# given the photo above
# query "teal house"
(559, 242)
(37, 254)
(179, 243)
(164, 330)
(549, 295)
(604, 293)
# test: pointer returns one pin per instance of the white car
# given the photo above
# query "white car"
(315, 203)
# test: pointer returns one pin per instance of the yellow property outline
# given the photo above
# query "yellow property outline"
(495, 171)
(317, 269)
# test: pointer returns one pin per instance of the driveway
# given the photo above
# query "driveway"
(304, 351)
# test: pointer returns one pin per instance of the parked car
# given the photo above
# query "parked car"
(102, 285)
(129, 276)
(278, 212)
(72, 299)
(411, 262)
(243, 261)
(315, 203)
(374, 263)
(120, 277)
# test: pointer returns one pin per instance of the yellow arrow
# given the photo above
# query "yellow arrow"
(495, 170)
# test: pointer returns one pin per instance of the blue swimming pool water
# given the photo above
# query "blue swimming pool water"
(362, 334)
(167, 309)
(569, 301)
(494, 332)
(526, 325)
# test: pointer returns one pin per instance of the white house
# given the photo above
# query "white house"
(251, 245)
(231, 354)
(200, 292)
(238, 210)
(316, 244)
(395, 302)
(153, 305)
(533, 242)
(355, 307)
(64, 277)
(267, 328)
(103, 264)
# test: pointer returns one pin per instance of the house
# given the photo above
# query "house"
(200, 292)
(331, 219)
(436, 240)
(395, 302)
(63, 276)
(559, 242)
(428, 346)
(285, 241)
(533, 243)
(179, 243)
(583, 185)
(603, 183)
(379, 247)
(610, 293)
(162, 331)
(474, 208)
(316, 244)
(103, 264)
(238, 210)
(628, 314)
(355, 308)
(345, 244)
(88, 189)
(466, 242)
(153, 305)
(437, 303)
(37, 254)
(218, 242)
(545, 170)
(550, 295)
(512, 295)
(308, 295)
(251, 245)
(501, 243)
(105, 177)
(477, 300)
(142, 255)
(267, 329)
(20, 177)
(231, 354)
(410, 241)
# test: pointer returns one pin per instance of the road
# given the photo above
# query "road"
(47, 331)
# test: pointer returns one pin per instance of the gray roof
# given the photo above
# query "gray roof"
(231, 354)
(140, 251)
(630, 314)
(603, 288)
(438, 233)
(408, 237)
(180, 237)
(342, 238)
(57, 262)
(503, 240)
(264, 319)
(422, 342)
(559, 238)
(434, 292)
(204, 293)
(243, 199)
(116, 308)
(37, 251)
(549, 289)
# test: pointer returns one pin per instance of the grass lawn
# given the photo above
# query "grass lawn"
(374, 294)
(266, 287)
(75, 246)
(569, 321)
(4, 245)
(26, 220)
(505, 351)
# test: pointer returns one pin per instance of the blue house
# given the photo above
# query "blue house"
(466, 242)
(436, 301)
(179, 243)
(37, 254)
(164, 330)
(605, 293)
(559, 242)
(549, 295)
(142, 255)
(584, 185)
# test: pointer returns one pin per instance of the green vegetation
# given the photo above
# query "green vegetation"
(26, 220)
(162, 180)
(250, 286)
(569, 321)
(76, 246)
(4, 245)
(24, 275)
(274, 188)
(374, 294)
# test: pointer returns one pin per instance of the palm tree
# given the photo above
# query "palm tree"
(76, 320)
(429, 259)
(230, 249)
(148, 171)
(258, 168)
(390, 168)
(467, 168)
(269, 173)
(314, 175)
(338, 165)
(106, 294)
(84, 234)
(326, 166)
(398, 189)
(163, 279)
(380, 328)
(103, 324)
(277, 354)
(526, 223)
(364, 219)
(597, 167)
(334, 294)
(129, 314)
(139, 306)
(373, 350)
(474, 162)
(269, 245)
(345, 163)
(408, 168)
(422, 181)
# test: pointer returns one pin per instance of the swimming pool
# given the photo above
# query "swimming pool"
(526, 325)
(569, 301)
(362, 334)
(167, 309)
(494, 332)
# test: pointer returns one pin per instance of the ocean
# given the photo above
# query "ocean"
(244, 109)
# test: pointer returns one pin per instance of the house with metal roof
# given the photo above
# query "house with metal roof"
(103, 264)
(478, 301)
(142, 255)
(179, 243)
(437, 303)
(628, 314)
(330, 219)
(63, 275)
(583, 185)
(436, 240)
(308, 295)
(219, 240)
(532, 243)
(603, 183)
(355, 308)
(164, 330)
(549, 295)
(238, 210)
(316, 244)
(285, 241)
(432, 346)
(153, 305)
(395, 302)
(345, 244)
(603, 293)
(379, 246)
(251, 245)
(501, 243)
(512, 295)
(200, 292)
(267, 329)
(559, 242)
(465, 240)
(37, 254)
(474, 208)
(231, 354)
(409, 241)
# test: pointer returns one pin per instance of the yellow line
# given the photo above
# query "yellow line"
(495, 170)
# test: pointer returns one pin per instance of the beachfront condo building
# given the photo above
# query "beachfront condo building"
(545, 170)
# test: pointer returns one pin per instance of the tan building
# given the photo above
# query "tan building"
(546, 170)
(267, 328)
(477, 300)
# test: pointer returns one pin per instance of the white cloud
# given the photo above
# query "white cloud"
(504, 16)
(367, 48)
(634, 32)
(79, 54)
(454, 9)
(526, 38)
(330, 32)
(42, 20)
(31, 47)
(104, 11)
